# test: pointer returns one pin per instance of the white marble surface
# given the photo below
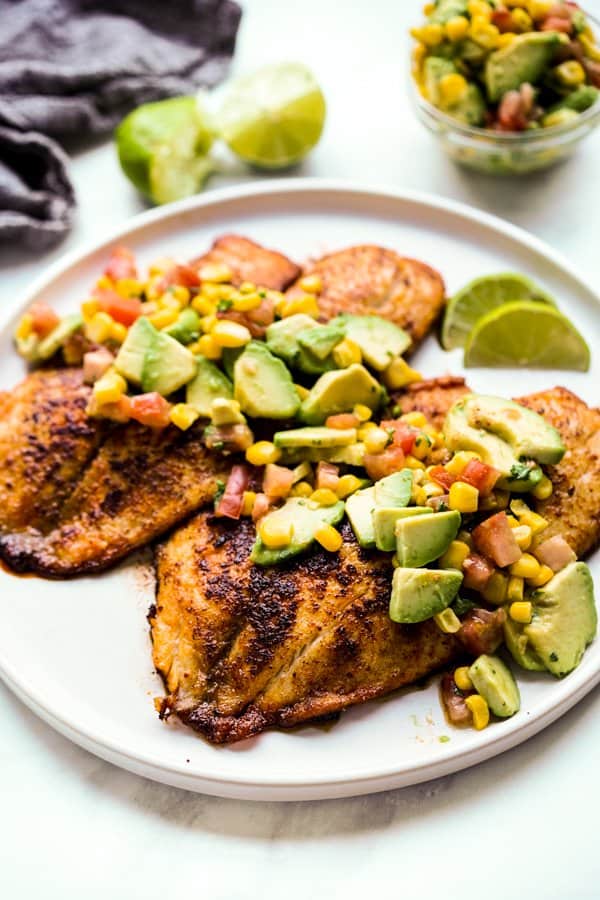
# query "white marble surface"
(523, 824)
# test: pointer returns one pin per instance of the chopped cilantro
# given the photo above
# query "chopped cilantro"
(224, 305)
(219, 492)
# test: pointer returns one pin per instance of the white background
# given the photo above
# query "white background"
(521, 825)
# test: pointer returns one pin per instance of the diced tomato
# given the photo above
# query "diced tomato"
(150, 409)
(277, 481)
(511, 112)
(442, 477)
(440, 502)
(503, 20)
(261, 507)
(477, 572)
(328, 475)
(342, 420)
(378, 465)
(95, 364)
(403, 435)
(494, 538)
(229, 438)
(180, 274)
(555, 553)
(122, 309)
(481, 476)
(481, 631)
(121, 264)
(556, 23)
(44, 318)
(230, 504)
(453, 702)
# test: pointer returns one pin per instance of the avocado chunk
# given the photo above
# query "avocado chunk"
(434, 69)
(262, 384)
(394, 489)
(578, 100)
(419, 594)
(564, 619)
(352, 455)
(340, 391)
(421, 539)
(359, 509)
(380, 341)
(186, 327)
(504, 434)
(225, 411)
(228, 359)
(130, 358)
(519, 647)
(316, 436)
(526, 58)
(385, 519)
(448, 9)
(282, 336)
(494, 681)
(168, 365)
(53, 341)
(471, 107)
(208, 385)
(321, 340)
(304, 517)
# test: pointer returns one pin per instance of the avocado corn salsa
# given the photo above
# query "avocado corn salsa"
(507, 66)
(303, 407)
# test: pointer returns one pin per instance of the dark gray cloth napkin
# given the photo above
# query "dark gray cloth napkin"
(74, 68)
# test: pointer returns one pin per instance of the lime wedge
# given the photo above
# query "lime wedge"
(162, 148)
(481, 296)
(526, 333)
(273, 117)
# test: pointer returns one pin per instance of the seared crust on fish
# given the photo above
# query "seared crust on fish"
(433, 397)
(372, 280)
(249, 261)
(242, 648)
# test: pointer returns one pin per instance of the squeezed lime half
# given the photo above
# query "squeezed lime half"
(273, 117)
(480, 297)
(527, 333)
(162, 148)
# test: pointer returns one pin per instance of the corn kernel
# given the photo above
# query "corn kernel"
(411, 462)
(431, 34)
(118, 332)
(302, 471)
(247, 287)
(512, 521)
(329, 538)
(248, 498)
(514, 591)
(213, 292)
(324, 497)
(183, 415)
(365, 429)
(347, 485)
(312, 284)
(105, 283)
(463, 497)
(398, 374)
(522, 535)
(506, 39)
(275, 533)
(99, 327)
(302, 489)
(110, 388)
(203, 306)
(161, 265)
(182, 294)
(459, 461)
(522, 21)
(539, 9)
(163, 318)
(207, 323)
(455, 555)
(570, 73)
(590, 48)
(535, 522)
(463, 679)
(543, 488)
(246, 302)
(376, 440)
(479, 8)
(479, 710)
(543, 577)
(24, 328)
(129, 287)
(168, 301)
(215, 272)
(363, 413)
(525, 567)
(447, 621)
(302, 391)
(433, 490)
(457, 28)
(520, 611)
(230, 334)
(452, 87)
(419, 496)
(495, 590)
(207, 346)
(484, 34)
(89, 308)
(262, 453)
(428, 9)
(415, 418)
(346, 353)
(306, 303)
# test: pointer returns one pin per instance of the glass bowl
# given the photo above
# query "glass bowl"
(505, 153)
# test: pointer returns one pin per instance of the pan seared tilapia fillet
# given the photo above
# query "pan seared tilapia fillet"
(249, 261)
(242, 648)
(372, 280)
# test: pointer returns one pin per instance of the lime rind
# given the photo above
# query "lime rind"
(480, 297)
(528, 334)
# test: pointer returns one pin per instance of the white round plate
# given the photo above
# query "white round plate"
(78, 652)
